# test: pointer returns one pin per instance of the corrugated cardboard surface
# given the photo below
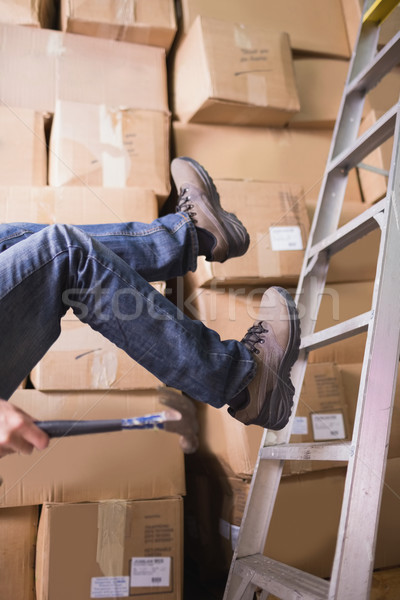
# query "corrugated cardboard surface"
(126, 465)
(83, 359)
(85, 549)
(276, 219)
(234, 74)
(23, 154)
(318, 27)
(110, 147)
(320, 83)
(39, 65)
(18, 530)
(304, 523)
(151, 22)
(78, 205)
(261, 154)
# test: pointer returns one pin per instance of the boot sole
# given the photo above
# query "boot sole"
(275, 414)
(233, 226)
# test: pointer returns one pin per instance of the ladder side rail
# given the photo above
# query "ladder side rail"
(386, 59)
(337, 173)
(344, 133)
(354, 556)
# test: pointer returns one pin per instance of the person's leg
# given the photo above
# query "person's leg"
(158, 251)
(61, 266)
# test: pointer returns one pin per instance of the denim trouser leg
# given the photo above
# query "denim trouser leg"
(161, 250)
(59, 266)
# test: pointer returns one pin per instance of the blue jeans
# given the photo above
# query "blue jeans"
(103, 273)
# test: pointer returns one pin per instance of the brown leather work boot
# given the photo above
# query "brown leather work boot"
(274, 340)
(220, 233)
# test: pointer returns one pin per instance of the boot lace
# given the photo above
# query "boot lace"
(254, 337)
(185, 205)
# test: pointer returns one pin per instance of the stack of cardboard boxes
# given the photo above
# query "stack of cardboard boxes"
(255, 92)
(254, 89)
(85, 139)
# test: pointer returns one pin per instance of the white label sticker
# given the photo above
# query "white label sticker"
(234, 535)
(286, 238)
(224, 529)
(109, 587)
(328, 426)
(150, 571)
(300, 426)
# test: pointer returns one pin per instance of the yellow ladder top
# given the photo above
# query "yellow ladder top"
(379, 10)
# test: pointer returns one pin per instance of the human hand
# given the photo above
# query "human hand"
(18, 432)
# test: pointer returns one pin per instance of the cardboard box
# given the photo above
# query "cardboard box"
(305, 521)
(118, 549)
(110, 147)
(40, 13)
(350, 375)
(18, 530)
(229, 73)
(83, 359)
(276, 218)
(94, 467)
(304, 525)
(390, 27)
(320, 84)
(342, 301)
(317, 27)
(79, 205)
(374, 184)
(352, 10)
(257, 153)
(358, 261)
(322, 415)
(23, 154)
(150, 22)
(130, 75)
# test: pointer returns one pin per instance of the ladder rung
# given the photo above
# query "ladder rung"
(337, 450)
(379, 10)
(337, 332)
(366, 143)
(280, 579)
(351, 231)
(383, 62)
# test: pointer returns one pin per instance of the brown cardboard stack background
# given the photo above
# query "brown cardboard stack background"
(99, 72)
(124, 86)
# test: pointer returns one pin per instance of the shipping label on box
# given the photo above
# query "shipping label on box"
(126, 550)
(276, 218)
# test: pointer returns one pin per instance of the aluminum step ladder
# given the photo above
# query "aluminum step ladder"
(366, 454)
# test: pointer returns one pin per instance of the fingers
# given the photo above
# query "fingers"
(18, 432)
